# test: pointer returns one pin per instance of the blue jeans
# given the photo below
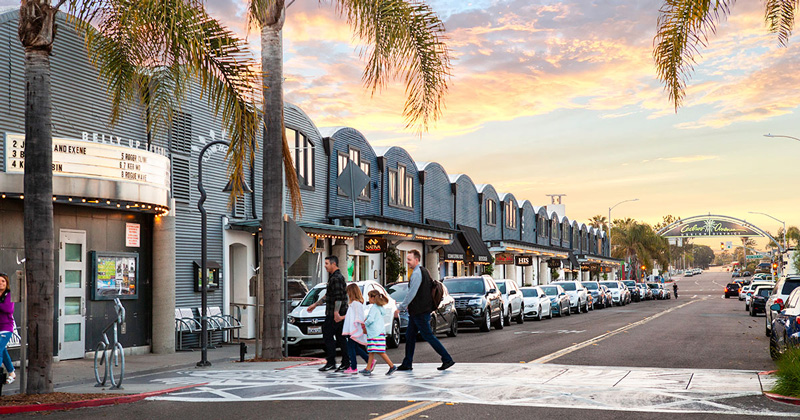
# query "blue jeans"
(422, 324)
(355, 349)
(4, 339)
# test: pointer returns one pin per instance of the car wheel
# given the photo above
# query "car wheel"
(507, 317)
(539, 314)
(294, 351)
(746, 307)
(453, 328)
(500, 322)
(569, 311)
(727, 297)
(774, 351)
(487, 320)
(521, 317)
(550, 313)
(586, 306)
(395, 338)
(767, 329)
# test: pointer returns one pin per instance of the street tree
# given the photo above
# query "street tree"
(599, 222)
(147, 52)
(405, 40)
(684, 26)
(639, 244)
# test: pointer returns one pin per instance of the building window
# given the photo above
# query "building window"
(554, 234)
(302, 157)
(565, 232)
(353, 155)
(576, 239)
(511, 216)
(491, 212)
(540, 226)
(366, 192)
(401, 188)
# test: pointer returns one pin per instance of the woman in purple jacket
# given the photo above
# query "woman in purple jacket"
(6, 326)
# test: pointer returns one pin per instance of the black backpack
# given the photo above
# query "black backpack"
(437, 289)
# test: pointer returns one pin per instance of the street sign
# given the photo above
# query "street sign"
(728, 245)
(352, 180)
(757, 257)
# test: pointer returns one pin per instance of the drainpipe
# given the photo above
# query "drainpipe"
(454, 189)
(480, 214)
(381, 170)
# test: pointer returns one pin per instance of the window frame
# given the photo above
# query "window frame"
(303, 146)
(491, 212)
(401, 188)
(510, 215)
(351, 152)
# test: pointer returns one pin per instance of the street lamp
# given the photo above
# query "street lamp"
(203, 251)
(780, 135)
(777, 220)
(609, 216)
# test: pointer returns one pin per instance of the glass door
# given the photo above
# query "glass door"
(72, 294)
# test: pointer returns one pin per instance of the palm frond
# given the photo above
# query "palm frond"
(683, 27)
(779, 15)
(405, 39)
(151, 51)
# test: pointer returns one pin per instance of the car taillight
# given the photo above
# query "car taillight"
(779, 301)
(797, 320)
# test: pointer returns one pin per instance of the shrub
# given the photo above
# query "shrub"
(788, 374)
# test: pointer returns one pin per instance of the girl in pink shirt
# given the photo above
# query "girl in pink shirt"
(354, 328)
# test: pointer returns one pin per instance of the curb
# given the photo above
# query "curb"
(315, 361)
(782, 398)
(122, 399)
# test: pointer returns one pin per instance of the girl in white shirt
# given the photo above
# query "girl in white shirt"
(354, 328)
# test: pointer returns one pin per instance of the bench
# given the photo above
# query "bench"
(226, 322)
(185, 324)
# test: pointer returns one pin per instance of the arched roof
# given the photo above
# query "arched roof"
(334, 131)
(507, 196)
(303, 113)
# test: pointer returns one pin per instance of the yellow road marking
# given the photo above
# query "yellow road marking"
(411, 410)
(595, 340)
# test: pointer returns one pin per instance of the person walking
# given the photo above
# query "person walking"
(375, 327)
(419, 304)
(335, 302)
(6, 326)
(675, 289)
(354, 328)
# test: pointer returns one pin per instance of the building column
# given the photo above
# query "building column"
(432, 264)
(339, 250)
(511, 272)
(164, 283)
(528, 278)
(544, 272)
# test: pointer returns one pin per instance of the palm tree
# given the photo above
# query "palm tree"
(599, 222)
(683, 28)
(405, 40)
(639, 244)
(148, 52)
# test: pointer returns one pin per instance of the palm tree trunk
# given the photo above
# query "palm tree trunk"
(272, 197)
(36, 32)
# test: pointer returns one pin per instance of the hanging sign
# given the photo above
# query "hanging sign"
(709, 227)
(523, 260)
(554, 263)
(503, 259)
(374, 244)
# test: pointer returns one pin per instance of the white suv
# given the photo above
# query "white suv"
(305, 329)
(578, 295)
(780, 293)
(513, 301)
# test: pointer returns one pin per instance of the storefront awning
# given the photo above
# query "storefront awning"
(319, 230)
(472, 239)
(453, 251)
(574, 260)
(597, 259)
(402, 230)
(526, 248)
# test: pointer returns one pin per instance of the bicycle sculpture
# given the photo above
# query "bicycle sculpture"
(110, 353)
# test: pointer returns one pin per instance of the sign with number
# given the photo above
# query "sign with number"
(79, 158)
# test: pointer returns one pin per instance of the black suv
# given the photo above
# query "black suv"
(478, 301)
(631, 285)
(732, 289)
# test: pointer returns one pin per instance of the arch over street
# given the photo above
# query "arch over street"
(714, 226)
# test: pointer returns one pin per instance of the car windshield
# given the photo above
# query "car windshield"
(610, 284)
(630, 283)
(398, 291)
(314, 295)
(530, 293)
(734, 286)
(790, 285)
(471, 286)
(764, 292)
(590, 285)
(550, 290)
(570, 287)
(501, 285)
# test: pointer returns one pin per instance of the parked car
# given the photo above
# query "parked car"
(748, 296)
(732, 289)
(443, 320)
(537, 304)
(305, 329)
(780, 293)
(478, 301)
(688, 273)
(609, 299)
(578, 299)
(559, 300)
(618, 292)
(743, 292)
(513, 303)
(631, 285)
(758, 301)
(646, 292)
(596, 292)
(658, 291)
(735, 274)
(785, 327)
(746, 274)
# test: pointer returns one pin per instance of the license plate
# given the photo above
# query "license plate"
(315, 330)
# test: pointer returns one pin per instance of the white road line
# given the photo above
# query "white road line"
(601, 337)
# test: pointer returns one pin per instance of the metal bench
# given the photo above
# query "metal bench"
(226, 322)
(185, 324)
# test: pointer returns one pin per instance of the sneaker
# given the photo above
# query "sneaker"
(342, 368)
(10, 378)
(446, 365)
(404, 368)
(351, 370)
(366, 372)
(327, 367)
(391, 370)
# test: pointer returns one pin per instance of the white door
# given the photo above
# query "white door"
(72, 294)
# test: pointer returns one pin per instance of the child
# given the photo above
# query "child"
(6, 326)
(354, 326)
(376, 332)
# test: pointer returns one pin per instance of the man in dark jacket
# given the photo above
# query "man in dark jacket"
(335, 300)
(419, 304)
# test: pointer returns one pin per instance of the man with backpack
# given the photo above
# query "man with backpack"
(419, 302)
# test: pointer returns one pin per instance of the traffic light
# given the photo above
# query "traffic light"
(722, 245)
(643, 267)
(774, 266)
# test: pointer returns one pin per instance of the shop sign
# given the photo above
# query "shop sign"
(374, 244)
(90, 159)
(554, 263)
(503, 259)
(132, 235)
(482, 258)
(456, 257)
(709, 227)
(523, 260)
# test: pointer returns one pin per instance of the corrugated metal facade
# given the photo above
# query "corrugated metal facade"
(437, 194)
(490, 232)
(398, 156)
(345, 138)
(467, 202)
(314, 199)
(528, 223)
(509, 232)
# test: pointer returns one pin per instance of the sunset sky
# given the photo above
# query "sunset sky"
(561, 97)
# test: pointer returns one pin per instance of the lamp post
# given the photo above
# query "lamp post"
(610, 244)
(203, 250)
(777, 220)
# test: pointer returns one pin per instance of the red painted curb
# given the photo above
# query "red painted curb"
(767, 372)
(122, 399)
(782, 398)
(316, 361)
